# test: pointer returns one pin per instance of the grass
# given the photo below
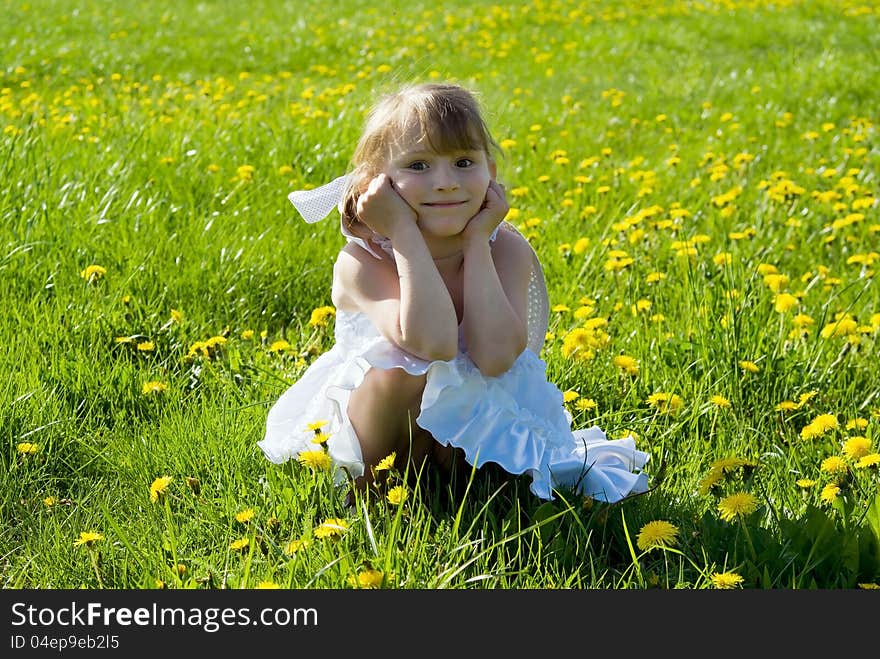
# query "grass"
(715, 146)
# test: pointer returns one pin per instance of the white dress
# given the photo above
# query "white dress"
(517, 420)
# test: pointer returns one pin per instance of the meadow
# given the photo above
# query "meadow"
(699, 179)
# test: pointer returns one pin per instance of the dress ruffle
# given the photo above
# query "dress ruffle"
(517, 420)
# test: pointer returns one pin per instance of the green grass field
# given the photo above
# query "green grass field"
(700, 180)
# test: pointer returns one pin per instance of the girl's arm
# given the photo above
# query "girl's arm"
(406, 299)
(496, 280)
(427, 323)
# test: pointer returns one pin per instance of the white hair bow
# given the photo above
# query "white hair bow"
(316, 204)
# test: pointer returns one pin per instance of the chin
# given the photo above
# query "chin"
(442, 228)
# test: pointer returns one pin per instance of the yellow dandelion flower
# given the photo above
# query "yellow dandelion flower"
(869, 586)
(50, 501)
(153, 387)
(586, 404)
(397, 495)
(158, 487)
(786, 405)
(870, 460)
(666, 402)
(748, 366)
(279, 346)
(834, 465)
(804, 398)
(247, 335)
(295, 546)
(784, 302)
(830, 492)
(367, 579)
(387, 462)
(627, 364)
(843, 326)
(241, 543)
(825, 422)
(93, 273)
(317, 460)
(577, 344)
(245, 515)
(857, 424)
(245, 172)
(719, 401)
(331, 528)
(728, 465)
(740, 503)
(802, 320)
(569, 395)
(87, 538)
(726, 580)
(146, 346)
(320, 438)
(710, 480)
(26, 448)
(176, 316)
(316, 426)
(320, 315)
(658, 533)
(267, 585)
(857, 447)
(805, 483)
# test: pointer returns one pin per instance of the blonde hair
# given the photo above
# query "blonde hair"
(447, 117)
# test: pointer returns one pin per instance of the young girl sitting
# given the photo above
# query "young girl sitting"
(441, 313)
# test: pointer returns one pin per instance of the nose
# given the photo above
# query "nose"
(445, 178)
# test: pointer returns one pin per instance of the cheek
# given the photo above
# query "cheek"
(406, 189)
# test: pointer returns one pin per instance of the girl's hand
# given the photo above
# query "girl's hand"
(493, 211)
(382, 209)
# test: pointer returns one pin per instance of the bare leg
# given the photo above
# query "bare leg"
(383, 410)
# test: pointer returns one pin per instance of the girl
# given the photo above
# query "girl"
(441, 315)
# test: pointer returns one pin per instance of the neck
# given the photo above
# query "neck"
(444, 249)
(448, 257)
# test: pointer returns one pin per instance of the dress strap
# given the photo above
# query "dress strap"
(538, 310)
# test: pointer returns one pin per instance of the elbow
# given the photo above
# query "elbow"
(443, 355)
(499, 361)
(494, 369)
(430, 349)
(434, 353)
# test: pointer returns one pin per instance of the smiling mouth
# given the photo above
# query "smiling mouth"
(445, 204)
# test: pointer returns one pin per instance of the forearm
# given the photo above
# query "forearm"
(428, 323)
(494, 333)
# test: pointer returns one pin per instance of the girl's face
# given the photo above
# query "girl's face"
(445, 189)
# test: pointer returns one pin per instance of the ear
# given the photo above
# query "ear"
(493, 169)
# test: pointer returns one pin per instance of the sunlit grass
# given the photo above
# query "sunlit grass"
(698, 178)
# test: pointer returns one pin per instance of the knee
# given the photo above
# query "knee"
(395, 383)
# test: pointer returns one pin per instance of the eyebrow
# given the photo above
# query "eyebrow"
(406, 155)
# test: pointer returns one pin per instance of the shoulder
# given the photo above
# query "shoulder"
(511, 250)
(355, 273)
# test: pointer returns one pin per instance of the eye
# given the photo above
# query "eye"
(464, 162)
(418, 166)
